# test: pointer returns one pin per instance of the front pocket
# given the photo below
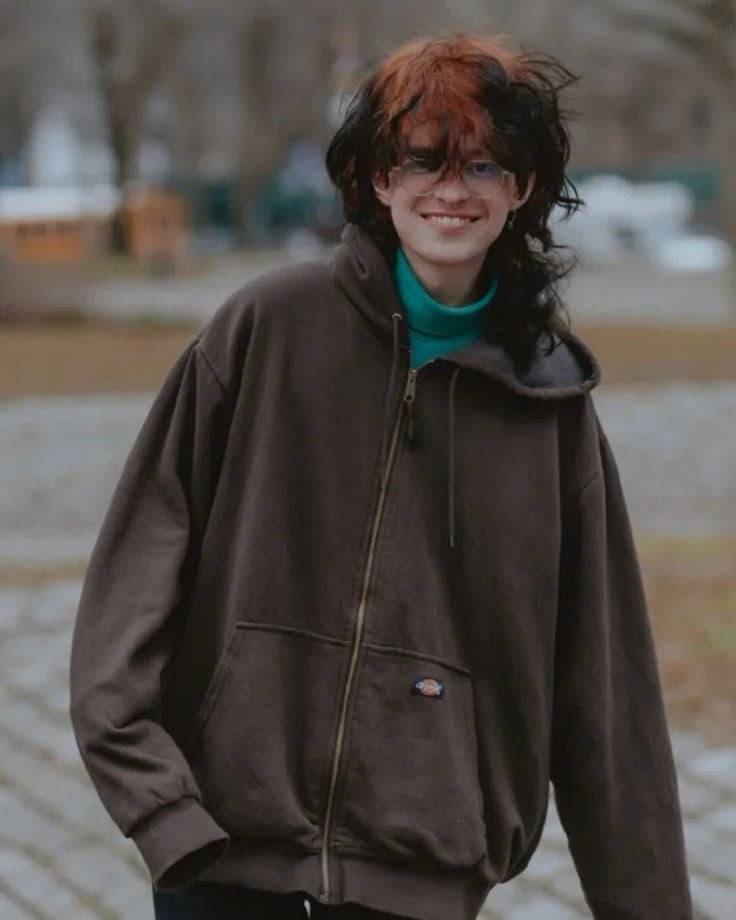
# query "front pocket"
(265, 729)
(411, 787)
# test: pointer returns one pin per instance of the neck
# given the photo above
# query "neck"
(450, 285)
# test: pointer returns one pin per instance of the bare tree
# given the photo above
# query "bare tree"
(27, 44)
(283, 52)
(131, 42)
(705, 30)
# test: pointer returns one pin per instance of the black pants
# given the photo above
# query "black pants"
(206, 901)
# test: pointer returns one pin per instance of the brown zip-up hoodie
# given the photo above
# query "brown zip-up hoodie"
(284, 673)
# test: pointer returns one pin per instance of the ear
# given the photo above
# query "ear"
(381, 188)
(520, 200)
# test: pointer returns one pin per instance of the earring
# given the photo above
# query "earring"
(511, 221)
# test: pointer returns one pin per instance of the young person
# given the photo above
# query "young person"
(367, 583)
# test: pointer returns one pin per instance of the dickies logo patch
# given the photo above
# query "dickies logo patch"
(428, 686)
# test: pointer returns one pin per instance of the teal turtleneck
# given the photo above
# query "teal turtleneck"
(435, 329)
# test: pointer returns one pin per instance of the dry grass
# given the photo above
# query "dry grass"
(79, 358)
(691, 589)
(649, 353)
(21, 575)
(93, 357)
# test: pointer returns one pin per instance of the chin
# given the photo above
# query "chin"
(447, 254)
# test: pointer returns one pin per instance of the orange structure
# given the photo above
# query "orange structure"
(157, 226)
(71, 226)
(55, 226)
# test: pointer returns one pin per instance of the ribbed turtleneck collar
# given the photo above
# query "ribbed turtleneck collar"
(360, 270)
(430, 317)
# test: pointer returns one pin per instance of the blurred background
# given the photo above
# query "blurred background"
(156, 154)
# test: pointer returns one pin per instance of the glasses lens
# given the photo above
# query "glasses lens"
(417, 178)
(482, 177)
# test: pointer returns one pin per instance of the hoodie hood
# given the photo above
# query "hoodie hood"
(361, 271)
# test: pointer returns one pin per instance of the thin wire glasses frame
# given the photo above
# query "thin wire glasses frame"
(481, 178)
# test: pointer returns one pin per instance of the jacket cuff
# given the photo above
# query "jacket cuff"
(179, 842)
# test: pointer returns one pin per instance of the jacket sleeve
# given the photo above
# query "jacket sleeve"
(612, 766)
(134, 591)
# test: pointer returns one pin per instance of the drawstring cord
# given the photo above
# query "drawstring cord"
(451, 458)
(387, 418)
(395, 320)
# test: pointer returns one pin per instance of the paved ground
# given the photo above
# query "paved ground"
(674, 443)
(62, 859)
(60, 856)
(628, 290)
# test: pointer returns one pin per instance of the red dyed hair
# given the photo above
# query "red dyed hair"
(438, 84)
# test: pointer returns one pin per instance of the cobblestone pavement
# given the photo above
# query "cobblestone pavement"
(674, 444)
(61, 857)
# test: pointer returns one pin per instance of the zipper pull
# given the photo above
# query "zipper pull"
(410, 396)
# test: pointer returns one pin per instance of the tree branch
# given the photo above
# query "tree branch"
(159, 48)
(468, 12)
(691, 31)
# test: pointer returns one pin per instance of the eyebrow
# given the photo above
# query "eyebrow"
(436, 154)
(425, 152)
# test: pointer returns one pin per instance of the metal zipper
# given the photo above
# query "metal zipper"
(407, 400)
(410, 395)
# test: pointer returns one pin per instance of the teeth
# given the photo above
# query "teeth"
(448, 221)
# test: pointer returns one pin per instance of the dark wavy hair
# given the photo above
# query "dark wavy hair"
(471, 90)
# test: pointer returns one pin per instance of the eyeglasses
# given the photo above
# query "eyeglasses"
(481, 178)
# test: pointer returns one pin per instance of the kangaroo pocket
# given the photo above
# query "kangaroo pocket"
(265, 727)
(411, 786)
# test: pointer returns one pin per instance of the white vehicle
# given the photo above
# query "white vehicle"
(650, 219)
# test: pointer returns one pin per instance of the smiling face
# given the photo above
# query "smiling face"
(446, 233)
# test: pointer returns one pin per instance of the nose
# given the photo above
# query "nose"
(451, 188)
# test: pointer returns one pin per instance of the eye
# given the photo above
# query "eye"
(484, 169)
(420, 165)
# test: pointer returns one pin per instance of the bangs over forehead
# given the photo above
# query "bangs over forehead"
(445, 97)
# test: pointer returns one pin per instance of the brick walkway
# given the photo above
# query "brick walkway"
(61, 857)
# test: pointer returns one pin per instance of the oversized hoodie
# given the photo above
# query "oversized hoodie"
(345, 621)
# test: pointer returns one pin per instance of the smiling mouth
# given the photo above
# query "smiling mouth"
(449, 220)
